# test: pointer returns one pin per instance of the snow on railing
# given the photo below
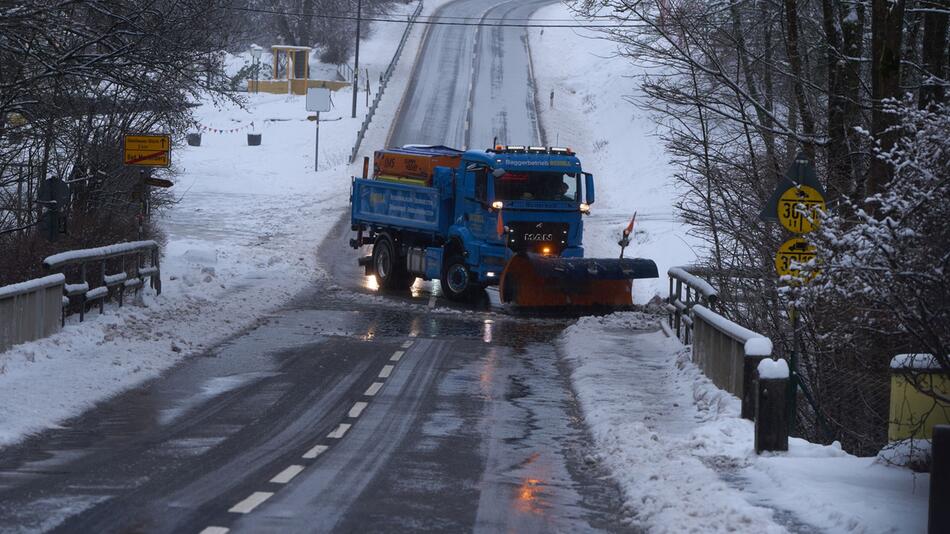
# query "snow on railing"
(95, 254)
(30, 310)
(31, 286)
(121, 267)
(757, 343)
(687, 289)
(694, 282)
(383, 81)
(733, 357)
(727, 352)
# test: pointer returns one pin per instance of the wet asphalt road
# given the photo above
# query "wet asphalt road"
(347, 410)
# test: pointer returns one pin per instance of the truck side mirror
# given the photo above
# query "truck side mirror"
(589, 188)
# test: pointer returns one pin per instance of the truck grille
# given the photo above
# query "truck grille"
(533, 236)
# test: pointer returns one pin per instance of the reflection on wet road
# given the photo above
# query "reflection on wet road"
(474, 427)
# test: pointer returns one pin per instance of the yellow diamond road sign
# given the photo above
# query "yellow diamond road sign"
(798, 209)
(148, 150)
(794, 252)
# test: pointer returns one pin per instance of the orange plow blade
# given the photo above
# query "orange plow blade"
(534, 281)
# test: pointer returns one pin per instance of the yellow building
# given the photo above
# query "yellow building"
(291, 73)
(913, 414)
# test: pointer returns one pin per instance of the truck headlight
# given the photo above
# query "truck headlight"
(497, 205)
(585, 208)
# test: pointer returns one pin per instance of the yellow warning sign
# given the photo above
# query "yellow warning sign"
(799, 207)
(792, 254)
(148, 150)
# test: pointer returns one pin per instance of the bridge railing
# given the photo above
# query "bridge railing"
(687, 290)
(729, 355)
(95, 275)
(30, 310)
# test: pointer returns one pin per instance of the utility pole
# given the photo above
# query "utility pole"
(356, 57)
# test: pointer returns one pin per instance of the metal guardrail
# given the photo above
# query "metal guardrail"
(30, 310)
(686, 290)
(345, 72)
(383, 81)
(121, 267)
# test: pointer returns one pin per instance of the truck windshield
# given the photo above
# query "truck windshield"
(537, 186)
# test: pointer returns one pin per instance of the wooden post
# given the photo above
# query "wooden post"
(750, 365)
(82, 298)
(102, 275)
(158, 271)
(687, 327)
(679, 291)
(771, 424)
(939, 517)
(122, 285)
(670, 301)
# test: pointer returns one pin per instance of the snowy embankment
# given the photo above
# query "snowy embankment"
(241, 241)
(592, 113)
(685, 459)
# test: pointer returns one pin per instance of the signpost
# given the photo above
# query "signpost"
(318, 99)
(148, 150)
(797, 204)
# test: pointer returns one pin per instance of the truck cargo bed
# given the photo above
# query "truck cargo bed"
(397, 205)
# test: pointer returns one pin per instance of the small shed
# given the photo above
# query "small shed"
(291, 73)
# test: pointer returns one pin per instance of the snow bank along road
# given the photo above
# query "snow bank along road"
(347, 410)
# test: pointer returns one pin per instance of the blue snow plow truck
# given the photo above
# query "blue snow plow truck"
(508, 216)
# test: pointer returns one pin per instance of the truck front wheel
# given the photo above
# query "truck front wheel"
(389, 267)
(457, 281)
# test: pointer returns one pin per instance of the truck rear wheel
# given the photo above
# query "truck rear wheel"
(389, 267)
(457, 281)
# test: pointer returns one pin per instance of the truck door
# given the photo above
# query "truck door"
(481, 222)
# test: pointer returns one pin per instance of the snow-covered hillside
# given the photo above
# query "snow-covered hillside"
(592, 113)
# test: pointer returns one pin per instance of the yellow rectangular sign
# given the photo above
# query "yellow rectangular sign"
(148, 150)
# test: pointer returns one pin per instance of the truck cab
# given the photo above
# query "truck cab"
(464, 224)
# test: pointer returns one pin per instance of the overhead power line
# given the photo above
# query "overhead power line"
(437, 21)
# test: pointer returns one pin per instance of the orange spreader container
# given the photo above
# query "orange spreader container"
(416, 163)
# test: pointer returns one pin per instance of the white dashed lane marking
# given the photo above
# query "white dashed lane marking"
(373, 389)
(258, 497)
(215, 530)
(357, 409)
(287, 475)
(252, 502)
(339, 431)
(314, 452)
